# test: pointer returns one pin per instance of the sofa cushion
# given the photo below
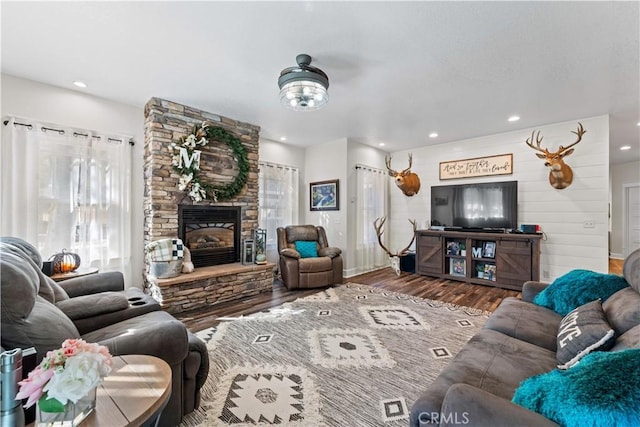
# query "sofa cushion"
(631, 269)
(93, 305)
(602, 390)
(582, 331)
(623, 310)
(578, 287)
(307, 248)
(527, 322)
(491, 361)
(630, 339)
(314, 265)
(330, 251)
(301, 232)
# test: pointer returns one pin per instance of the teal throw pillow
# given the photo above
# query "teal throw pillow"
(307, 249)
(577, 288)
(603, 389)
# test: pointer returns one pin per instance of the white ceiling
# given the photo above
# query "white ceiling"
(398, 70)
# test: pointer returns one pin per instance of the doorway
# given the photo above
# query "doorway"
(631, 220)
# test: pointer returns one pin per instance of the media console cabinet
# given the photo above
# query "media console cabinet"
(495, 259)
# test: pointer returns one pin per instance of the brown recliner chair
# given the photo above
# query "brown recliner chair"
(308, 272)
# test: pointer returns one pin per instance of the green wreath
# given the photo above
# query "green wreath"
(189, 167)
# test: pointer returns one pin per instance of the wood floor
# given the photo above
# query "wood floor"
(477, 296)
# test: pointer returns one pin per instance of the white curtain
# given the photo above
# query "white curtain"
(277, 202)
(371, 203)
(66, 188)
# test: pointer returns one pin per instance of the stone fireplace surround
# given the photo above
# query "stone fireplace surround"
(166, 122)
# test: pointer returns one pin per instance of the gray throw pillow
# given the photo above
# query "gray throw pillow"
(582, 331)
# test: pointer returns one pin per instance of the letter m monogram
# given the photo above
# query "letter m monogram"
(186, 161)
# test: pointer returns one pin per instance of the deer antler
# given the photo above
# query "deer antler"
(579, 132)
(387, 162)
(410, 163)
(378, 223)
(415, 227)
(538, 141)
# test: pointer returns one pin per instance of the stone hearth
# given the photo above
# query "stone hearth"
(166, 122)
(215, 284)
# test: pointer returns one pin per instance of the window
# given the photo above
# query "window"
(278, 202)
(75, 196)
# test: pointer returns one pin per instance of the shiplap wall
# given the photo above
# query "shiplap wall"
(561, 213)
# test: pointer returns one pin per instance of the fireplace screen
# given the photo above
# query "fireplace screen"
(212, 233)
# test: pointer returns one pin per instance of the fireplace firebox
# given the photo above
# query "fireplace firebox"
(212, 233)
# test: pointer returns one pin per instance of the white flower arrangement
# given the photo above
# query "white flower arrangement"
(66, 374)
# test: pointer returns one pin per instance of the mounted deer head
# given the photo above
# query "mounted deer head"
(561, 174)
(395, 258)
(407, 181)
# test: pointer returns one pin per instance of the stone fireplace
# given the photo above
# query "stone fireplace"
(212, 233)
(214, 241)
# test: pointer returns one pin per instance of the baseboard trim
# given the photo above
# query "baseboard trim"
(354, 271)
(616, 256)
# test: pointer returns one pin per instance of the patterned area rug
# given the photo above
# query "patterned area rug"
(347, 356)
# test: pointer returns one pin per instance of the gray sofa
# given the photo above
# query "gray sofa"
(38, 312)
(517, 342)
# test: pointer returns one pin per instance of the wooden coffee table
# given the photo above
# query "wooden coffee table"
(134, 393)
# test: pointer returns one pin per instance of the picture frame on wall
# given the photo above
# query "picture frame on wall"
(324, 195)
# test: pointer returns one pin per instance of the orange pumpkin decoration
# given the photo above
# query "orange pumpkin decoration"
(64, 262)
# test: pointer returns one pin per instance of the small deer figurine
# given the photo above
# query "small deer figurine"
(561, 174)
(395, 258)
(407, 181)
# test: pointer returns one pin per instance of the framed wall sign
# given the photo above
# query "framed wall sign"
(500, 164)
(324, 195)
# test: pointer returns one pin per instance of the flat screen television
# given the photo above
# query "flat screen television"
(489, 205)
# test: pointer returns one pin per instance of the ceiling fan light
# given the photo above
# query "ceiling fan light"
(303, 88)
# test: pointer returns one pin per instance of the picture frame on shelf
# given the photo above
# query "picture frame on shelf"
(453, 248)
(490, 272)
(458, 267)
(489, 250)
(324, 195)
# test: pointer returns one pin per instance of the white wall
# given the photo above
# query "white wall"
(622, 175)
(73, 108)
(327, 162)
(560, 213)
(288, 155)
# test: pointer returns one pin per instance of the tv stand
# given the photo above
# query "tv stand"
(492, 258)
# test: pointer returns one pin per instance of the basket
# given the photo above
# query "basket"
(165, 269)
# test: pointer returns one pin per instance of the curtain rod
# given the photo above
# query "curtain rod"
(62, 132)
(371, 168)
(276, 165)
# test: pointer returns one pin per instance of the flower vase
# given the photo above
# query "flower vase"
(72, 415)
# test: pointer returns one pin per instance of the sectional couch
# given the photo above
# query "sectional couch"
(520, 341)
(38, 312)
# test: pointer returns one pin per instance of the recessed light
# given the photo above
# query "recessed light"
(283, 138)
(78, 83)
(638, 123)
(513, 118)
(433, 135)
(381, 144)
(625, 147)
